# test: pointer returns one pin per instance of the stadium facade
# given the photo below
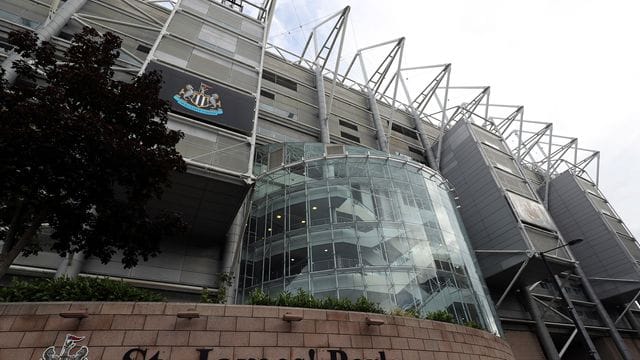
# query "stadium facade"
(306, 173)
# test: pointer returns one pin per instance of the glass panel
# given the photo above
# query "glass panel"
(296, 217)
(369, 241)
(322, 250)
(277, 264)
(297, 257)
(324, 284)
(320, 212)
(341, 204)
(336, 168)
(384, 205)
(406, 289)
(357, 167)
(356, 225)
(379, 288)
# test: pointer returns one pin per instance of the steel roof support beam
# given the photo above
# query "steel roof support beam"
(422, 133)
(445, 119)
(503, 125)
(392, 109)
(383, 68)
(465, 111)
(420, 102)
(527, 145)
(418, 105)
(582, 164)
(141, 12)
(58, 19)
(381, 137)
(559, 153)
(374, 82)
(323, 120)
(322, 55)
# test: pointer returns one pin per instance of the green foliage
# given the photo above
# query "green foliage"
(259, 297)
(365, 305)
(412, 312)
(440, 315)
(220, 296)
(472, 324)
(76, 289)
(305, 300)
(83, 152)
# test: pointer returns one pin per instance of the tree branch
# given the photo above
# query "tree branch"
(11, 234)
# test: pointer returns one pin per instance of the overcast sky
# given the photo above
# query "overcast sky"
(575, 63)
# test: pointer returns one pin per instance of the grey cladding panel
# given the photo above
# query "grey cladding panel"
(488, 216)
(601, 254)
(291, 71)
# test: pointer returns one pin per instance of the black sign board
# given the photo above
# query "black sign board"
(205, 100)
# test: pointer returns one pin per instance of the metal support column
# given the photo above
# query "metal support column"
(323, 120)
(381, 136)
(548, 346)
(56, 21)
(604, 315)
(584, 335)
(70, 266)
(233, 245)
(422, 132)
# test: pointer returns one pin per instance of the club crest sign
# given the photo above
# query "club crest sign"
(66, 351)
(203, 99)
(199, 101)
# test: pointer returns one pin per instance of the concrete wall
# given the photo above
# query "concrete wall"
(111, 330)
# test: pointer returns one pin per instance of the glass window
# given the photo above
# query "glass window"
(315, 171)
(319, 210)
(379, 288)
(344, 227)
(378, 170)
(297, 213)
(297, 256)
(336, 168)
(276, 267)
(398, 173)
(357, 167)
(322, 253)
(322, 256)
(341, 204)
(384, 205)
(294, 283)
(324, 284)
(369, 242)
(346, 255)
(406, 289)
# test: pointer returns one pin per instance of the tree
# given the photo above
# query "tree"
(83, 153)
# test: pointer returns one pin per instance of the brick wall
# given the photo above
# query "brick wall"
(235, 332)
(525, 345)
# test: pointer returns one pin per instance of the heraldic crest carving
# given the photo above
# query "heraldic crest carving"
(65, 353)
(198, 100)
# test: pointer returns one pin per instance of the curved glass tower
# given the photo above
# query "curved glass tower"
(346, 221)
